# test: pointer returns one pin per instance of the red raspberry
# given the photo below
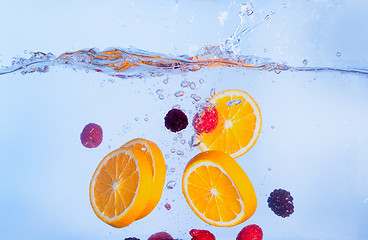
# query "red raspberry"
(201, 235)
(250, 232)
(91, 136)
(205, 121)
(161, 236)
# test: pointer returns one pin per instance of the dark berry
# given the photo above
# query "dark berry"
(176, 120)
(131, 238)
(91, 136)
(161, 236)
(250, 232)
(281, 202)
(201, 235)
(205, 120)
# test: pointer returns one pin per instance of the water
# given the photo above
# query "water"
(314, 135)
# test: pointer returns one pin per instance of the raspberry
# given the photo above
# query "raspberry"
(281, 202)
(205, 120)
(91, 136)
(201, 235)
(161, 236)
(250, 232)
(176, 120)
(131, 238)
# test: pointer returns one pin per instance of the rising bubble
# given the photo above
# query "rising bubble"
(171, 185)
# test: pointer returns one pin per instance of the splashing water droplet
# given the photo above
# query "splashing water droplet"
(305, 62)
(179, 94)
(233, 102)
(171, 184)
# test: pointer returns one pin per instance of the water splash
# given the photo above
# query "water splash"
(136, 63)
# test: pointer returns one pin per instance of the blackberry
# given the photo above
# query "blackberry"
(131, 238)
(281, 203)
(176, 120)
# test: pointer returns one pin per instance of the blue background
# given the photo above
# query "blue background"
(314, 138)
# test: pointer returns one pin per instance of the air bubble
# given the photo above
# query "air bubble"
(136, 119)
(161, 97)
(195, 140)
(176, 106)
(338, 54)
(179, 94)
(192, 86)
(146, 119)
(195, 97)
(180, 135)
(172, 169)
(233, 102)
(159, 91)
(172, 150)
(166, 80)
(183, 141)
(180, 153)
(143, 149)
(171, 185)
(269, 169)
(272, 126)
(305, 62)
(184, 84)
(201, 81)
(212, 92)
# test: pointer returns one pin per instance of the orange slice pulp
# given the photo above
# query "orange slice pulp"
(239, 123)
(217, 189)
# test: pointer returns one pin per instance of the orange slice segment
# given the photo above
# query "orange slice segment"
(217, 189)
(238, 126)
(158, 170)
(118, 189)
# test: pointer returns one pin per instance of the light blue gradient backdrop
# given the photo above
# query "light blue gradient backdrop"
(314, 136)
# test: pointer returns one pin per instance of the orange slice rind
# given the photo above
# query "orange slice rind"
(158, 170)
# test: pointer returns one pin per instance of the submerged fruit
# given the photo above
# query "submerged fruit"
(217, 189)
(205, 121)
(119, 187)
(239, 123)
(176, 120)
(250, 232)
(158, 170)
(281, 203)
(91, 136)
(201, 235)
(161, 236)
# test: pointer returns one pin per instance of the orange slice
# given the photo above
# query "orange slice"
(218, 190)
(158, 170)
(239, 124)
(118, 189)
